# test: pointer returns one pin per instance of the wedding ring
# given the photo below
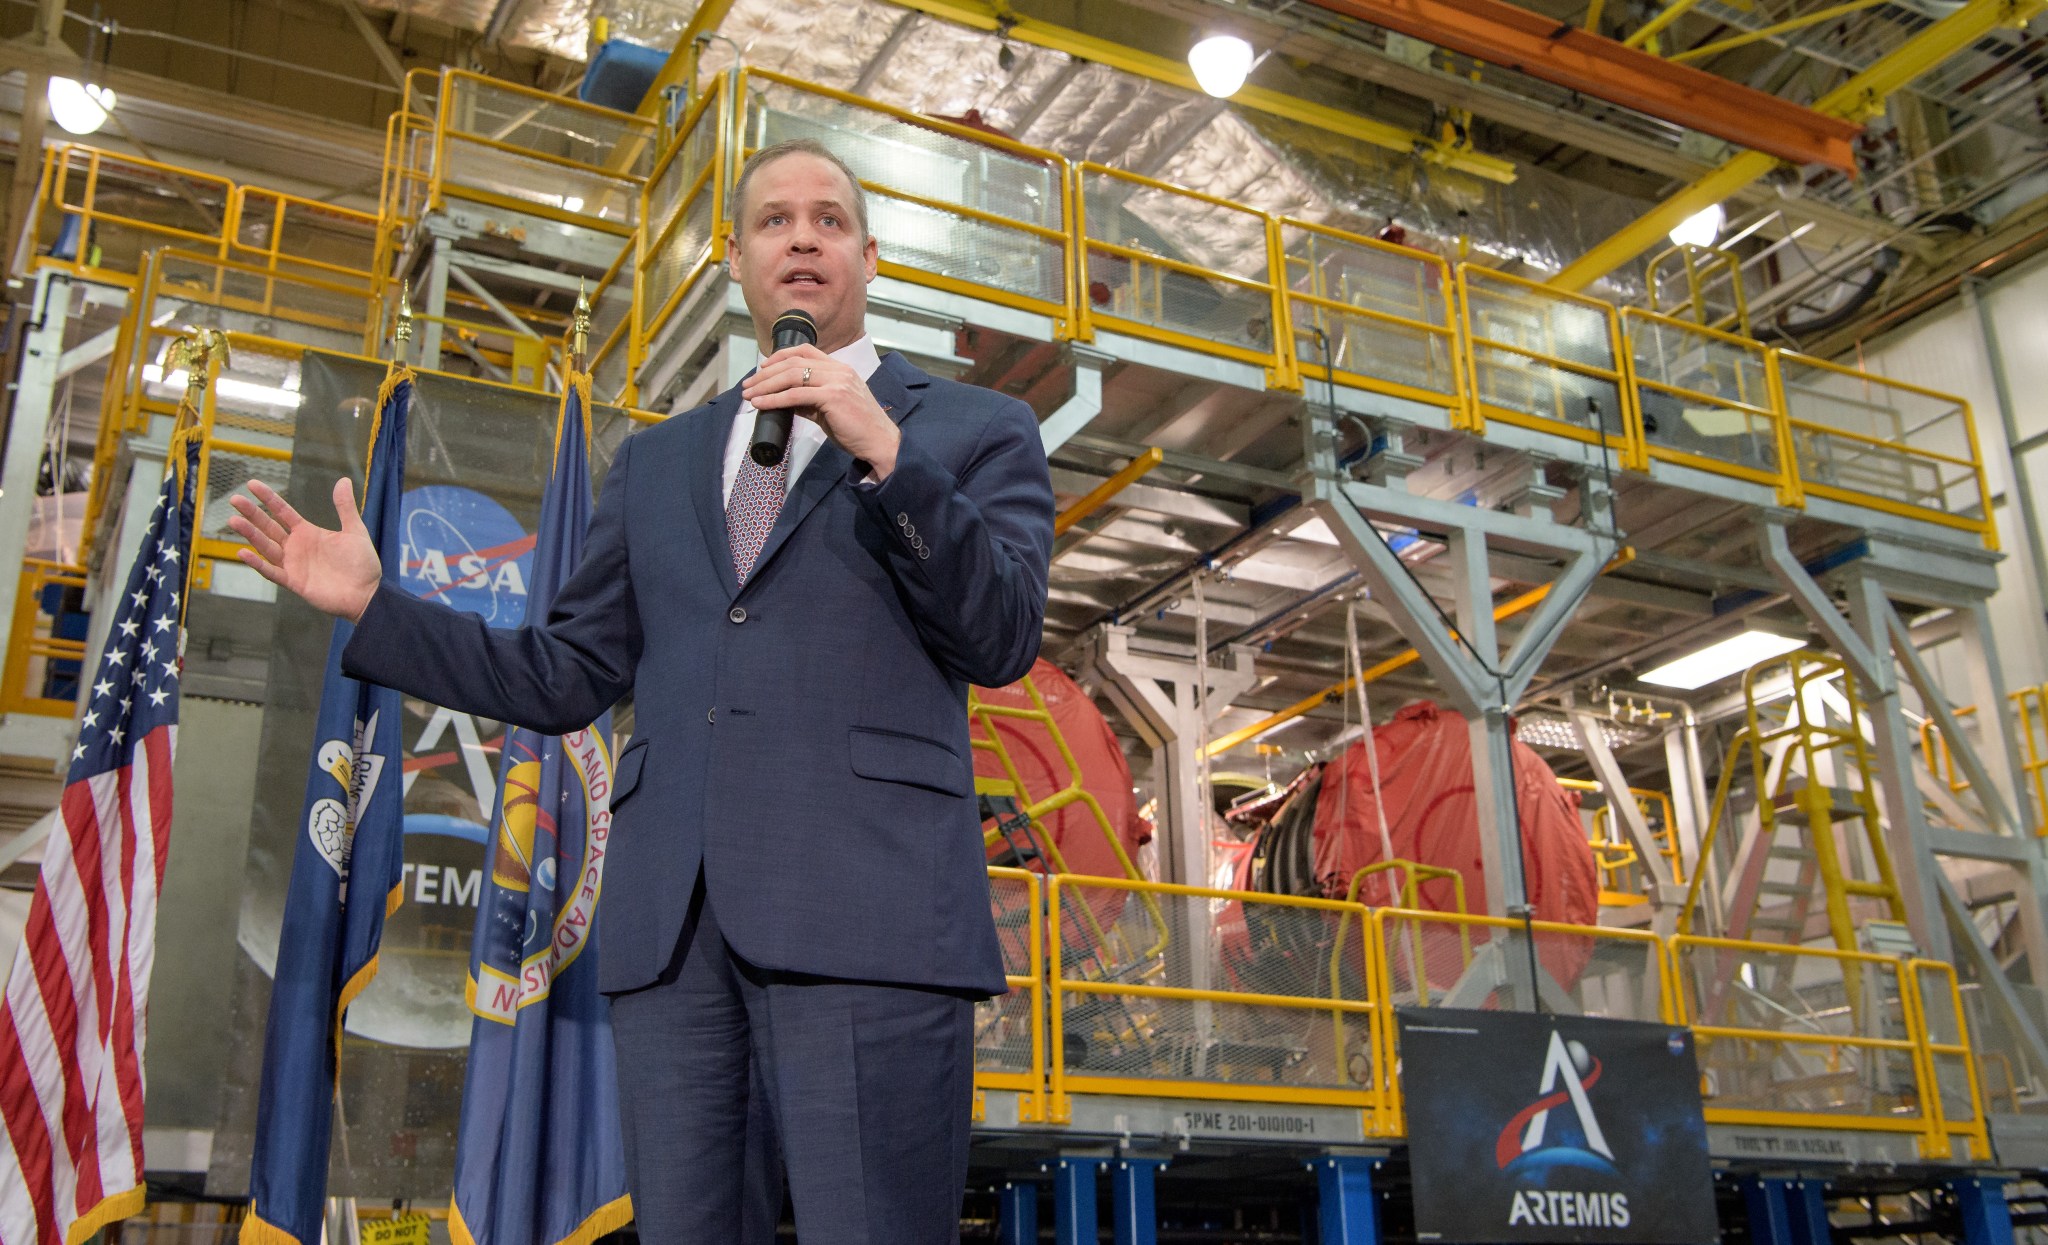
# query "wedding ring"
(807, 377)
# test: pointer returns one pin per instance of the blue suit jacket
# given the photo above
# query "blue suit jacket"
(805, 737)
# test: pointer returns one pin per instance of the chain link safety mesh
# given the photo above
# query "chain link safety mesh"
(202, 293)
(1788, 1006)
(1724, 411)
(1937, 984)
(667, 192)
(1002, 1025)
(309, 237)
(896, 158)
(227, 474)
(686, 248)
(1366, 277)
(1440, 963)
(1522, 341)
(1238, 946)
(1141, 218)
(1824, 402)
(136, 208)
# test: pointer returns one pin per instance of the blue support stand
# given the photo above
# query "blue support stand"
(1017, 1223)
(1348, 1211)
(1134, 1210)
(1787, 1211)
(1073, 1199)
(1987, 1220)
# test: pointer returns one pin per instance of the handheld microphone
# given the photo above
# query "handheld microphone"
(771, 428)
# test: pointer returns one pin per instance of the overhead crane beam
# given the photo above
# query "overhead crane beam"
(1601, 68)
(982, 15)
(1862, 95)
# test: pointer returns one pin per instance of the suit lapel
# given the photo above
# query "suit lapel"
(707, 483)
(898, 387)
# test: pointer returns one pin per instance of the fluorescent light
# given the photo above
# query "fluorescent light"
(570, 203)
(1717, 661)
(228, 387)
(77, 107)
(1221, 64)
(1702, 228)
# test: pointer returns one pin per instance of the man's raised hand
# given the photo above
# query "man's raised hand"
(335, 572)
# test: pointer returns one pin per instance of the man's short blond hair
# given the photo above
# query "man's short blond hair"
(799, 147)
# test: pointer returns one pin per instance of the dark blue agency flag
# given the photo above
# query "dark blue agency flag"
(346, 875)
(540, 1159)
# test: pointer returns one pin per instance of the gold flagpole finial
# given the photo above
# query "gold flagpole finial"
(401, 333)
(579, 331)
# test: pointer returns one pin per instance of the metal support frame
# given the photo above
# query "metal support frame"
(1482, 685)
(1080, 410)
(1786, 1211)
(1665, 895)
(1017, 1216)
(1156, 694)
(1134, 1208)
(1073, 1198)
(1875, 643)
(35, 397)
(1347, 1207)
(1981, 1205)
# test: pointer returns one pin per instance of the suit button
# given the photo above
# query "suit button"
(711, 715)
(923, 553)
(738, 613)
(910, 534)
(902, 519)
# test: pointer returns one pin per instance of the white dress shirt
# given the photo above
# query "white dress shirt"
(806, 436)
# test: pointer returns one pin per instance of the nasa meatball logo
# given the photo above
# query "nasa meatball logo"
(465, 550)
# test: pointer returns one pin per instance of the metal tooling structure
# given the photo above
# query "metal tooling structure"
(1292, 455)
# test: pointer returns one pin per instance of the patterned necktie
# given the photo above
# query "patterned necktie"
(757, 494)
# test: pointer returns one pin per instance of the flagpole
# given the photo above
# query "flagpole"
(203, 353)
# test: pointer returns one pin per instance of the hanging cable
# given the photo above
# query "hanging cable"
(1204, 789)
(1355, 662)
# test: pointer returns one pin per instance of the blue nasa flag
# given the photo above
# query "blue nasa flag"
(346, 878)
(540, 1159)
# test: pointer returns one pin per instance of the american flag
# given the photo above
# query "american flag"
(77, 1002)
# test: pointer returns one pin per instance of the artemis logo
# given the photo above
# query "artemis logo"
(1532, 1139)
(1553, 1208)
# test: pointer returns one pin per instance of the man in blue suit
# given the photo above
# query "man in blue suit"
(796, 895)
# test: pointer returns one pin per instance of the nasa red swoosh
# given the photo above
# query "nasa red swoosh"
(1504, 1147)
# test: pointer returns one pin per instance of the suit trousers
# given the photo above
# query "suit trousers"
(869, 1088)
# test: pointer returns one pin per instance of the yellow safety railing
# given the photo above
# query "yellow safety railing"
(303, 237)
(611, 326)
(1622, 881)
(1241, 1013)
(955, 208)
(1421, 956)
(1702, 272)
(683, 232)
(1010, 1030)
(99, 214)
(1709, 399)
(527, 151)
(1884, 444)
(2030, 708)
(1230, 303)
(1541, 358)
(1383, 314)
(1792, 1036)
(37, 652)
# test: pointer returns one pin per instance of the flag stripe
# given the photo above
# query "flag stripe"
(76, 999)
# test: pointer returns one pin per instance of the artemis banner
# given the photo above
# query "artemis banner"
(1526, 1127)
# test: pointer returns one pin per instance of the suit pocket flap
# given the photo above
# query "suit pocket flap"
(889, 757)
(630, 763)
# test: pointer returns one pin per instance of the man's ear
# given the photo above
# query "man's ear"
(873, 253)
(732, 254)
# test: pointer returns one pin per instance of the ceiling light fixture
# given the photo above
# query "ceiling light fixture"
(79, 108)
(1702, 228)
(1221, 64)
(1717, 661)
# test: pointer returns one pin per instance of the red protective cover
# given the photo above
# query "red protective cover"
(1425, 775)
(1104, 773)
